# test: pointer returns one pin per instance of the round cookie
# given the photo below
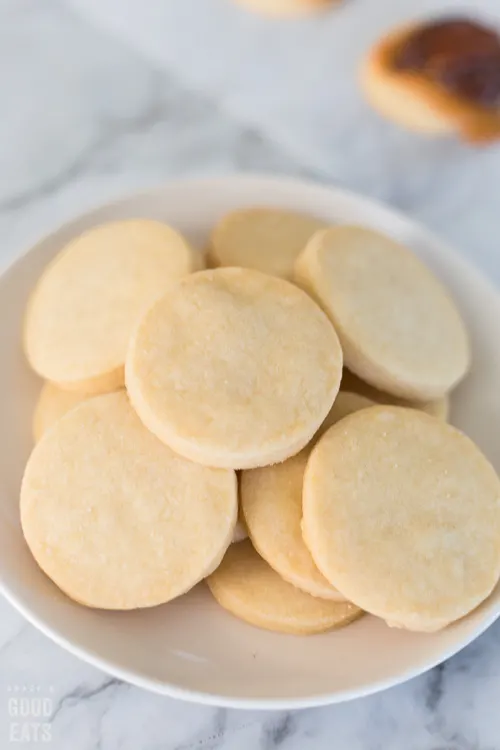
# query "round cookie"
(398, 328)
(53, 403)
(247, 587)
(84, 307)
(439, 407)
(409, 100)
(346, 403)
(271, 501)
(401, 92)
(285, 7)
(140, 525)
(401, 512)
(265, 239)
(234, 368)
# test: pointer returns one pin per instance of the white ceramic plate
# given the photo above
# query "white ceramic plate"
(191, 648)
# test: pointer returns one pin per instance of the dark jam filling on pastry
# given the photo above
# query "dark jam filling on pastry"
(460, 55)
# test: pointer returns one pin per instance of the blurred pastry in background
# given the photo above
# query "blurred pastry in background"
(438, 78)
(286, 7)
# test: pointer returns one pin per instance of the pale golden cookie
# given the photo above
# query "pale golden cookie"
(285, 7)
(346, 403)
(439, 407)
(271, 500)
(53, 403)
(402, 515)
(83, 309)
(234, 368)
(265, 239)
(114, 517)
(399, 329)
(247, 587)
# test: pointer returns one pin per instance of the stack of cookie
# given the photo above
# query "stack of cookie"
(316, 362)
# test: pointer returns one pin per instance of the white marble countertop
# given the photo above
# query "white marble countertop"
(100, 97)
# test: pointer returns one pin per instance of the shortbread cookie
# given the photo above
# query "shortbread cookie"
(234, 368)
(53, 403)
(439, 407)
(81, 314)
(114, 517)
(346, 403)
(271, 500)
(286, 7)
(438, 78)
(247, 587)
(398, 328)
(402, 515)
(265, 239)
(272, 505)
